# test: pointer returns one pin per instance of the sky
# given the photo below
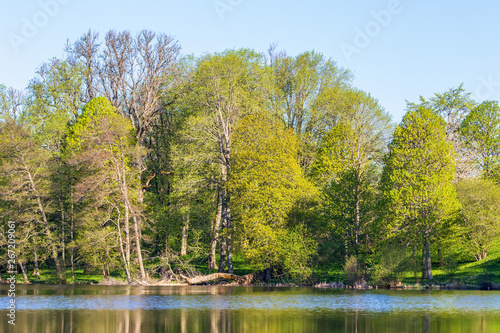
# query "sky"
(398, 50)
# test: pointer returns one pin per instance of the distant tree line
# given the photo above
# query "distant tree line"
(127, 156)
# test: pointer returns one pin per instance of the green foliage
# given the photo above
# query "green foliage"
(347, 169)
(89, 119)
(392, 262)
(296, 250)
(479, 218)
(481, 132)
(266, 182)
(305, 90)
(417, 179)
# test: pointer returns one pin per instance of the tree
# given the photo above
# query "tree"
(453, 105)
(132, 72)
(226, 87)
(347, 168)
(25, 177)
(480, 131)
(479, 217)
(104, 150)
(266, 182)
(417, 180)
(304, 89)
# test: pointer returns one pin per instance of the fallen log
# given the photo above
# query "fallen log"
(241, 280)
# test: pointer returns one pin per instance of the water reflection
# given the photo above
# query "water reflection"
(99, 309)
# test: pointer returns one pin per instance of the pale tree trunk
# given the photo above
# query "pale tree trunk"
(228, 226)
(36, 271)
(211, 260)
(127, 236)
(63, 241)
(223, 240)
(122, 251)
(222, 252)
(357, 231)
(138, 244)
(72, 233)
(122, 183)
(427, 263)
(225, 243)
(22, 265)
(185, 230)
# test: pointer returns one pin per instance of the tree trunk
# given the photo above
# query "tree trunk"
(427, 263)
(63, 240)
(228, 226)
(138, 246)
(243, 280)
(358, 222)
(122, 251)
(185, 230)
(36, 271)
(122, 183)
(22, 265)
(72, 231)
(127, 236)
(268, 274)
(212, 264)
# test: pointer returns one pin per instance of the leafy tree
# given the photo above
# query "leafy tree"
(25, 179)
(266, 181)
(480, 220)
(481, 133)
(417, 181)
(226, 87)
(347, 167)
(105, 150)
(305, 89)
(453, 105)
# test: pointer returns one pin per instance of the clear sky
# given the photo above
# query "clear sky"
(397, 49)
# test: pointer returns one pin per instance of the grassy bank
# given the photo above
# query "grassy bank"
(466, 275)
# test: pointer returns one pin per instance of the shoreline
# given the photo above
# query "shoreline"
(321, 285)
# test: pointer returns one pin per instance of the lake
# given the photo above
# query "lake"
(96, 309)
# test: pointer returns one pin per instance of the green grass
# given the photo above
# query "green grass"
(472, 274)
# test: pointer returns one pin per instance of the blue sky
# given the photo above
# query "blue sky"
(397, 49)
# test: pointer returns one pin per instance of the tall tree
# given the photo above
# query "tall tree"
(347, 167)
(132, 72)
(225, 87)
(266, 182)
(417, 181)
(104, 151)
(24, 166)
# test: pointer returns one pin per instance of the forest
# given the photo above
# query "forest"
(130, 160)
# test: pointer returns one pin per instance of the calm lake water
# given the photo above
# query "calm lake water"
(96, 309)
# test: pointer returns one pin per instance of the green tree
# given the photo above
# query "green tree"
(104, 150)
(266, 182)
(481, 133)
(480, 220)
(453, 105)
(417, 181)
(305, 91)
(347, 168)
(25, 180)
(225, 87)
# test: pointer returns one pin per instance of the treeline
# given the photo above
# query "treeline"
(127, 156)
